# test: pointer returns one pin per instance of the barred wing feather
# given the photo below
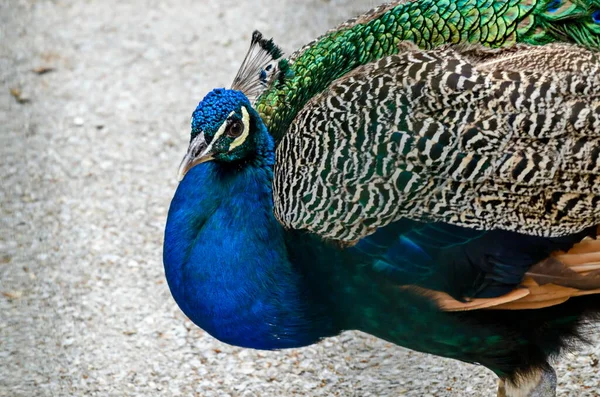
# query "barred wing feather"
(469, 136)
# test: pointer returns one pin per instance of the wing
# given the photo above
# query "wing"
(449, 169)
(563, 275)
(482, 139)
(463, 262)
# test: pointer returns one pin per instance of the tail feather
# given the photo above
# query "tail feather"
(566, 20)
(561, 10)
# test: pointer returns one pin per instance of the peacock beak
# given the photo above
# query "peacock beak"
(198, 152)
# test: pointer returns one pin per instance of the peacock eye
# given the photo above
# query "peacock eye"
(235, 129)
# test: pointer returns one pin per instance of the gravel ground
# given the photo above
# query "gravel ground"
(94, 107)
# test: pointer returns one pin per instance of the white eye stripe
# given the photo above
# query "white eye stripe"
(239, 140)
(218, 134)
(222, 128)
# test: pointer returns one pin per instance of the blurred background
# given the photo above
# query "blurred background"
(95, 103)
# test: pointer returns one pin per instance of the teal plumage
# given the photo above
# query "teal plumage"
(349, 185)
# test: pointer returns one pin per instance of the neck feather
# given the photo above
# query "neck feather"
(227, 263)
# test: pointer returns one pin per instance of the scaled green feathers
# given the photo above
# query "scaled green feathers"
(428, 23)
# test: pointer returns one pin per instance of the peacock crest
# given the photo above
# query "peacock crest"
(260, 68)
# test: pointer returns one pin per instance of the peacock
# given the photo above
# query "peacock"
(428, 173)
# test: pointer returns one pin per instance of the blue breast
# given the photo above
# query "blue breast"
(226, 262)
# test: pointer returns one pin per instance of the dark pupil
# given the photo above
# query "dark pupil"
(235, 129)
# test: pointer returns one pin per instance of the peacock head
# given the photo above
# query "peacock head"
(225, 126)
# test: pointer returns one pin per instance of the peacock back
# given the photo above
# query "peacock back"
(428, 24)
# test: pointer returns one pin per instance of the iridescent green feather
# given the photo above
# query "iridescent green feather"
(428, 23)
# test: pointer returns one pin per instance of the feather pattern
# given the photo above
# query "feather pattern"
(482, 140)
(427, 23)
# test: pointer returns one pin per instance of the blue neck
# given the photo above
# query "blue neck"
(227, 264)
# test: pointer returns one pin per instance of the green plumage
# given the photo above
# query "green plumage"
(428, 23)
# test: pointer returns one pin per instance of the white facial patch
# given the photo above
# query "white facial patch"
(218, 134)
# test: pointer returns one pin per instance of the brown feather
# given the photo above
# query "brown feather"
(448, 303)
(548, 283)
(552, 270)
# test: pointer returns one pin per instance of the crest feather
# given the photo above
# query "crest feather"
(259, 67)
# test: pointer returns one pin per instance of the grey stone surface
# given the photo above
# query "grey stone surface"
(89, 152)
